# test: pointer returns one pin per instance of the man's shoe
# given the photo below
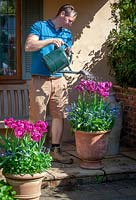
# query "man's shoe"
(58, 157)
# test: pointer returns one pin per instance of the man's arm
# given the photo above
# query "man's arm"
(34, 44)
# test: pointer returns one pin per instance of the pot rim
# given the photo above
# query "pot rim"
(26, 176)
(95, 132)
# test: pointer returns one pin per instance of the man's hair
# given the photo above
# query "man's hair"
(68, 9)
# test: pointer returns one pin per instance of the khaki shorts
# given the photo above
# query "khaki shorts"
(47, 91)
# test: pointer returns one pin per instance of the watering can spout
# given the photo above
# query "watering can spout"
(83, 72)
(87, 74)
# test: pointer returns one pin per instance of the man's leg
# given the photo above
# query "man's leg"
(57, 130)
(56, 134)
(57, 104)
(39, 94)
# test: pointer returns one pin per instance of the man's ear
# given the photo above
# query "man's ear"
(62, 14)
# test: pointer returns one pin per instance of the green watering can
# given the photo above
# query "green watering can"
(57, 60)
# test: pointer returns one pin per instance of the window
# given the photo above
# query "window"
(9, 40)
(16, 16)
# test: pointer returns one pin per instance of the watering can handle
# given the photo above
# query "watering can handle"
(70, 56)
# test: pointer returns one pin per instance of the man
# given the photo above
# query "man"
(45, 88)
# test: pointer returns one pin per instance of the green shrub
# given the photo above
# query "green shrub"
(121, 43)
(6, 192)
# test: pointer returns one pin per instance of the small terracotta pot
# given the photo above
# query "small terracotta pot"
(91, 148)
(26, 186)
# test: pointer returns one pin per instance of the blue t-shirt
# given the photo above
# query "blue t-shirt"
(45, 30)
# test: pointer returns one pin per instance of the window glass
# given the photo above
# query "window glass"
(7, 38)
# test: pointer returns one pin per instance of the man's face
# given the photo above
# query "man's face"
(67, 21)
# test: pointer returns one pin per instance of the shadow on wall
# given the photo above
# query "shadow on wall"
(86, 11)
(95, 63)
(95, 59)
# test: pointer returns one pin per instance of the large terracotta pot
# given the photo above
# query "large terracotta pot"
(91, 148)
(26, 186)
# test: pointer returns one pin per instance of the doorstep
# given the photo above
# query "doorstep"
(116, 167)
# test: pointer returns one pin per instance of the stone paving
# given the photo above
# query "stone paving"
(115, 190)
(115, 167)
(116, 181)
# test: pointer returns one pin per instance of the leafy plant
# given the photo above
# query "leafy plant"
(99, 178)
(6, 191)
(91, 112)
(7, 7)
(22, 147)
(121, 43)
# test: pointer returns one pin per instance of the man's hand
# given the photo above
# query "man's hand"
(68, 51)
(57, 42)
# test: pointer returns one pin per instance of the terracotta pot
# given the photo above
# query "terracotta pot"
(26, 186)
(91, 148)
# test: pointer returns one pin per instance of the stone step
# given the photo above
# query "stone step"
(115, 167)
